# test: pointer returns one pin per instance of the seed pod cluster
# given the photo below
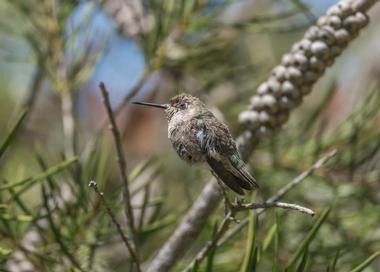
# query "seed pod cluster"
(302, 67)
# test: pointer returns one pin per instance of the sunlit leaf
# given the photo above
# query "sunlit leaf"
(5, 251)
(49, 172)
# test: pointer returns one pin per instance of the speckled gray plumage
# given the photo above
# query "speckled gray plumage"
(198, 136)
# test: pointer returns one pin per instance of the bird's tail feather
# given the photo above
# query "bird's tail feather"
(236, 182)
(247, 177)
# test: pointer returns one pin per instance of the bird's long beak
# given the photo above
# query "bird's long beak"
(162, 106)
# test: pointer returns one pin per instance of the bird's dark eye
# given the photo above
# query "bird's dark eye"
(183, 106)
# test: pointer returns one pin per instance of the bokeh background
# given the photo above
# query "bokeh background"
(54, 54)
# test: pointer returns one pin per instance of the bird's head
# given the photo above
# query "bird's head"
(182, 104)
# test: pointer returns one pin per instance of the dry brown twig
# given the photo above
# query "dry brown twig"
(271, 107)
(135, 89)
(128, 243)
(120, 159)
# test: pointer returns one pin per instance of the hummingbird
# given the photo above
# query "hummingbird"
(198, 136)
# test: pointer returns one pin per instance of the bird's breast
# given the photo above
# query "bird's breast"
(186, 140)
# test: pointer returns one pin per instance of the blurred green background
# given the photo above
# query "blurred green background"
(53, 54)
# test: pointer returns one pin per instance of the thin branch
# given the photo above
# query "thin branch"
(214, 242)
(318, 164)
(280, 193)
(120, 157)
(230, 216)
(128, 243)
(135, 90)
(275, 204)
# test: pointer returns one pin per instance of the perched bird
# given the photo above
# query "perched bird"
(198, 136)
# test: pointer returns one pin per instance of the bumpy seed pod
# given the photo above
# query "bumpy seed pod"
(320, 49)
(287, 60)
(262, 89)
(274, 86)
(316, 65)
(342, 36)
(326, 34)
(334, 21)
(350, 23)
(249, 118)
(300, 61)
(312, 33)
(286, 103)
(342, 9)
(256, 102)
(279, 72)
(323, 20)
(270, 103)
(264, 117)
(304, 46)
(294, 75)
(287, 88)
(302, 67)
(361, 19)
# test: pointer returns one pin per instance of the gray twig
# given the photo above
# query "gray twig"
(120, 158)
(318, 164)
(230, 216)
(128, 243)
(136, 88)
(275, 204)
(280, 193)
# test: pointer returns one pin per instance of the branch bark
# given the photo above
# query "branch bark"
(127, 242)
(120, 159)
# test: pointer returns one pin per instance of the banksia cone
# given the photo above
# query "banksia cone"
(302, 67)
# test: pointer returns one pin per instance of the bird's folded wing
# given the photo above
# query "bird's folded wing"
(225, 176)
